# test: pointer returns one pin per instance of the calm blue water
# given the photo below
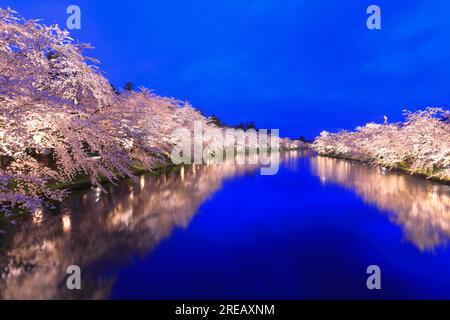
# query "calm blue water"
(216, 233)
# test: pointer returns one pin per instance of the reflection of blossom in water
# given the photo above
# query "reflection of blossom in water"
(97, 230)
(421, 207)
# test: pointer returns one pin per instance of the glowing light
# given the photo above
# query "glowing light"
(66, 223)
(37, 216)
(182, 173)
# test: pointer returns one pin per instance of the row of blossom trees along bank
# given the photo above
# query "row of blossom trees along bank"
(60, 119)
(421, 144)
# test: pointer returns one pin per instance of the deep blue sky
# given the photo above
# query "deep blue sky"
(300, 66)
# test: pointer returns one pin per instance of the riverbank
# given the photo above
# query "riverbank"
(419, 145)
(401, 168)
(83, 181)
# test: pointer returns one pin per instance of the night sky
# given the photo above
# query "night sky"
(300, 66)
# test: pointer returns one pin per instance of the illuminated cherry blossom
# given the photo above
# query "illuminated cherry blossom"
(421, 144)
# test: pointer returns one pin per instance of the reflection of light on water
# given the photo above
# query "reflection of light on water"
(66, 223)
(422, 208)
(98, 192)
(121, 215)
(124, 221)
(182, 173)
